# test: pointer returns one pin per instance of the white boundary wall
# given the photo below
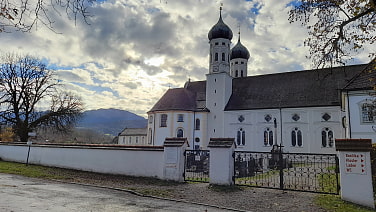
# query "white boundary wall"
(146, 162)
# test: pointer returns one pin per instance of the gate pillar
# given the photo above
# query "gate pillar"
(174, 158)
(221, 161)
(355, 171)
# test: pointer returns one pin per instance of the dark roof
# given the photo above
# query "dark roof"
(220, 30)
(176, 99)
(365, 79)
(311, 88)
(133, 131)
(239, 51)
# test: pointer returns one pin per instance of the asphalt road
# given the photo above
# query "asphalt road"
(19, 194)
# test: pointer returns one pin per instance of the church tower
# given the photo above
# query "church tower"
(239, 58)
(218, 80)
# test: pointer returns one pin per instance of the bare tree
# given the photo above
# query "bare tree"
(23, 15)
(25, 85)
(337, 28)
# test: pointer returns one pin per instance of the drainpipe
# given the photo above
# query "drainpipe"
(194, 130)
(280, 119)
(348, 112)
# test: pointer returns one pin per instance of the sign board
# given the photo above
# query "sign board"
(355, 163)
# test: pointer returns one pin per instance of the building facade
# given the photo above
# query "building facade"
(301, 110)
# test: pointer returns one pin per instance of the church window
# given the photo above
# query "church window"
(150, 136)
(124, 140)
(268, 137)
(197, 124)
(241, 73)
(223, 57)
(197, 140)
(150, 119)
(163, 120)
(241, 118)
(130, 140)
(142, 139)
(180, 133)
(216, 57)
(296, 138)
(236, 73)
(180, 117)
(216, 43)
(240, 137)
(326, 117)
(295, 117)
(367, 112)
(223, 44)
(215, 91)
(327, 138)
(242, 62)
(268, 118)
(211, 57)
(236, 62)
(136, 140)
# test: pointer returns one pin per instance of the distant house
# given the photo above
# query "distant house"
(133, 137)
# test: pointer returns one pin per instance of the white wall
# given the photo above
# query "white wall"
(310, 123)
(134, 162)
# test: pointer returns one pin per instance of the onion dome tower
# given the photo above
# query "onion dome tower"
(239, 58)
(220, 36)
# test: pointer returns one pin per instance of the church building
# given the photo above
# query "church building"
(301, 110)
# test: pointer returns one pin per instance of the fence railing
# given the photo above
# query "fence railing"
(196, 165)
(288, 171)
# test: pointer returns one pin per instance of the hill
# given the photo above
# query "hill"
(110, 121)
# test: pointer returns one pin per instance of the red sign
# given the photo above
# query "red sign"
(355, 163)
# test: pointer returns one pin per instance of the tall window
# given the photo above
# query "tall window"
(163, 120)
(236, 73)
(367, 112)
(137, 140)
(240, 137)
(296, 137)
(150, 136)
(130, 140)
(241, 73)
(216, 57)
(223, 57)
(180, 133)
(180, 117)
(197, 124)
(268, 137)
(150, 119)
(327, 139)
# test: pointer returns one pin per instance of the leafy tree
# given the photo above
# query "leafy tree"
(23, 15)
(6, 134)
(25, 86)
(337, 28)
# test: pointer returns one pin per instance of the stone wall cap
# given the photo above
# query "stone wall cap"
(175, 142)
(221, 142)
(355, 145)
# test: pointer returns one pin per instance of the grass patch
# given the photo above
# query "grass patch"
(335, 203)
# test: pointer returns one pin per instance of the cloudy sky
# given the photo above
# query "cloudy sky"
(134, 50)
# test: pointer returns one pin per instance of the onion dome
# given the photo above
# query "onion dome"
(220, 30)
(239, 51)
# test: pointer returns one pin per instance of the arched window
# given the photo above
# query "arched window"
(197, 124)
(240, 137)
(223, 57)
(268, 137)
(216, 57)
(296, 137)
(180, 133)
(327, 138)
(150, 136)
(150, 119)
(241, 73)
(236, 73)
(163, 120)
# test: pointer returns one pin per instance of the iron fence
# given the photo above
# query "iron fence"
(196, 165)
(288, 171)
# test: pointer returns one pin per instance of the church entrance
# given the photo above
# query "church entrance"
(287, 171)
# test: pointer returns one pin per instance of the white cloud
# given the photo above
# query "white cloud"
(133, 51)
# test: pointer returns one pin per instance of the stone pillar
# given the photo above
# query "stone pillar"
(174, 158)
(355, 171)
(221, 161)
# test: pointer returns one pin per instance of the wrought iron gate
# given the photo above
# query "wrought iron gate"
(196, 165)
(288, 171)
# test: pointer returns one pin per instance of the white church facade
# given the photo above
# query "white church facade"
(303, 110)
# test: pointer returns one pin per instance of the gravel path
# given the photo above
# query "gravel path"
(240, 198)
